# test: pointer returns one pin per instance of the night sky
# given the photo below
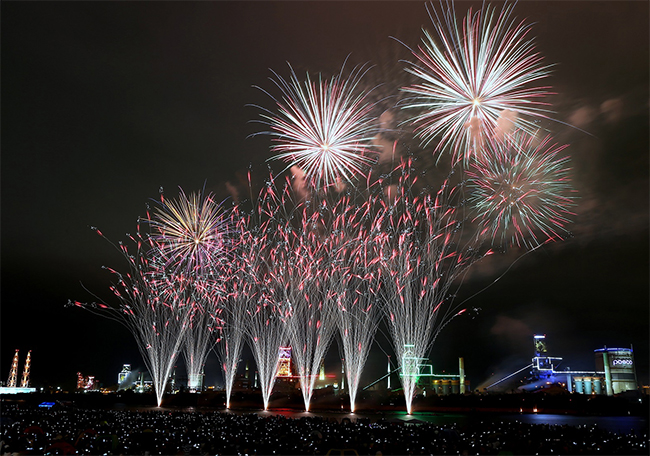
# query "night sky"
(103, 103)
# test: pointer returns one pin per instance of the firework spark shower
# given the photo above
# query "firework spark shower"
(354, 285)
(263, 321)
(152, 305)
(423, 252)
(301, 274)
(351, 246)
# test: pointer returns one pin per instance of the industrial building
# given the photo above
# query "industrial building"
(614, 372)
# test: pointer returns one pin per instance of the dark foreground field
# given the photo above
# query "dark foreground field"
(129, 423)
(66, 429)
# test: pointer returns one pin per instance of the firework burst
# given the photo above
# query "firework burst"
(192, 233)
(192, 237)
(324, 127)
(475, 78)
(521, 190)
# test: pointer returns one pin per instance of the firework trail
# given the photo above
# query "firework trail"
(521, 191)
(353, 286)
(228, 327)
(156, 316)
(299, 272)
(192, 234)
(201, 323)
(475, 77)
(422, 253)
(324, 127)
(263, 322)
(300, 265)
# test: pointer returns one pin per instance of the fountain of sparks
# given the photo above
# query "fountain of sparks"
(199, 337)
(228, 326)
(299, 274)
(353, 287)
(263, 321)
(422, 253)
(152, 305)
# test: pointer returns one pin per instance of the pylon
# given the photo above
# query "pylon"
(24, 383)
(13, 375)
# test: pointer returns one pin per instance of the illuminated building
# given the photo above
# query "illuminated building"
(542, 366)
(619, 368)
(284, 369)
(195, 381)
(540, 344)
(85, 383)
(440, 384)
(615, 372)
(288, 378)
(123, 375)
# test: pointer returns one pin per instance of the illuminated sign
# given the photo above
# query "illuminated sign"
(622, 362)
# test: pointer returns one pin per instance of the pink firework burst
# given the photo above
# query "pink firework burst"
(324, 127)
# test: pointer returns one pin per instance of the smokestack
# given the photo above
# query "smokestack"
(608, 374)
(461, 373)
(388, 372)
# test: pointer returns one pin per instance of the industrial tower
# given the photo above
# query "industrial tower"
(24, 383)
(13, 374)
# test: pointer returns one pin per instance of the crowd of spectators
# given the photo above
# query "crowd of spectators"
(67, 430)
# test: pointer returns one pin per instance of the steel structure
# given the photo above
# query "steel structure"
(24, 382)
(13, 374)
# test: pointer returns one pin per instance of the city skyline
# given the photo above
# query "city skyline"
(106, 103)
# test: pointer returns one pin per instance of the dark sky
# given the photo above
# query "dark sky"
(103, 103)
